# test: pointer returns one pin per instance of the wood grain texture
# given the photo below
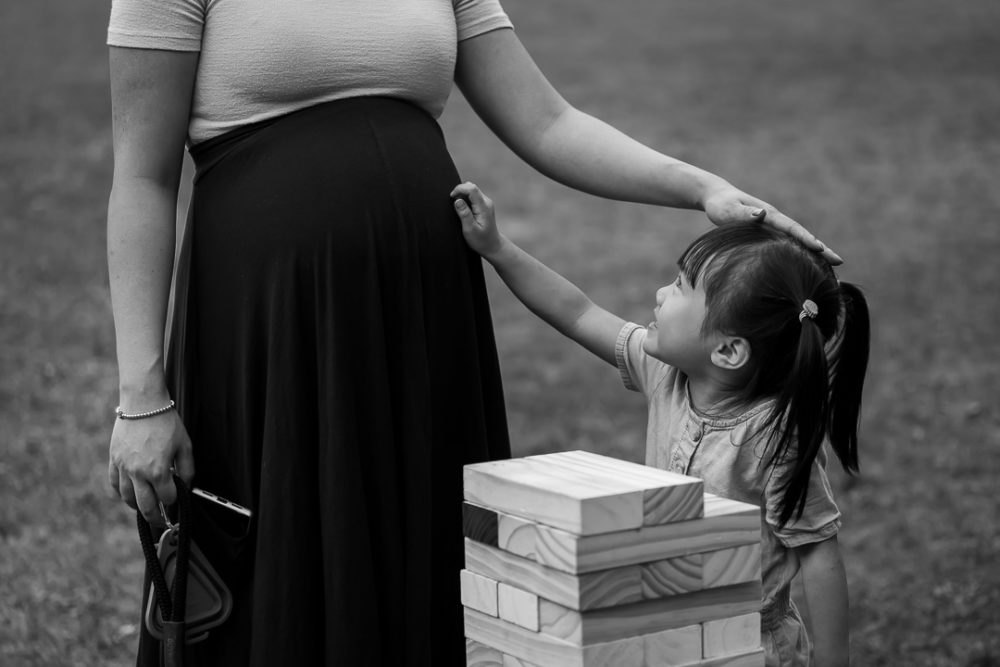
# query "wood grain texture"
(671, 648)
(479, 523)
(517, 536)
(667, 496)
(587, 591)
(731, 566)
(554, 495)
(726, 524)
(511, 661)
(584, 493)
(479, 593)
(731, 636)
(518, 606)
(541, 649)
(480, 655)
(671, 576)
(649, 616)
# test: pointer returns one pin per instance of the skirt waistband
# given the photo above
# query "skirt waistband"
(209, 153)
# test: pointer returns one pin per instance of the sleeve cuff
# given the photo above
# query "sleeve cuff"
(621, 354)
(801, 539)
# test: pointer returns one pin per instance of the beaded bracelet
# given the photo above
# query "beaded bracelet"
(143, 415)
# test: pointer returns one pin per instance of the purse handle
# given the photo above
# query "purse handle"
(172, 604)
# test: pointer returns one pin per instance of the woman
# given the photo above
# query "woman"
(332, 354)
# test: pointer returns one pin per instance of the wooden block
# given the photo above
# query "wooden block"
(553, 495)
(549, 651)
(517, 536)
(518, 606)
(646, 617)
(671, 648)
(731, 566)
(606, 588)
(727, 523)
(583, 493)
(667, 496)
(479, 524)
(479, 593)
(480, 655)
(671, 576)
(731, 636)
(752, 659)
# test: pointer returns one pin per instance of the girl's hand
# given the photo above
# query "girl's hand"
(142, 455)
(726, 204)
(479, 226)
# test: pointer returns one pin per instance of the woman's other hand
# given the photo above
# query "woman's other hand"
(727, 204)
(143, 456)
(479, 226)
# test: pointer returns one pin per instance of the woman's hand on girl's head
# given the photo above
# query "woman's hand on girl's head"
(727, 204)
(479, 227)
(143, 456)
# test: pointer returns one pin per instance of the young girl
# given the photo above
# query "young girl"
(756, 356)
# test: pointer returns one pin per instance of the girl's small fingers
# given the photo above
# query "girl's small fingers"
(479, 201)
(463, 189)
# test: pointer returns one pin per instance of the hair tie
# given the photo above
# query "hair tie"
(809, 309)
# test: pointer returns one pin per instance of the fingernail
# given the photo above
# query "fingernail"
(459, 203)
(758, 212)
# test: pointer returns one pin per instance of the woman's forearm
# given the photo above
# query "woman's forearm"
(141, 237)
(587, 154)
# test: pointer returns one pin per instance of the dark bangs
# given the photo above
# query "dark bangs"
(723, 261)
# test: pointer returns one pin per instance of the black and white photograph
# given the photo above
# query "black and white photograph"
(499, 333)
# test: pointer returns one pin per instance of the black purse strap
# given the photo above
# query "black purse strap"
(172, 603)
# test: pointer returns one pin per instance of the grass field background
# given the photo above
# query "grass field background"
(876, 124)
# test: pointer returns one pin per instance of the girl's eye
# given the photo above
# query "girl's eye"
(677, 283)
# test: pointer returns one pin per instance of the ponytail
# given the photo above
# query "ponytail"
(850, 361)
(822, 397)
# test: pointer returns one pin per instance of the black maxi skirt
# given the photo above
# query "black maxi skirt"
(333, 359)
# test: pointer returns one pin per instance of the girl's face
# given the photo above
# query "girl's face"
(674, 336)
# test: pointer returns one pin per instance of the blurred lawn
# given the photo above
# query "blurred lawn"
(874, 123)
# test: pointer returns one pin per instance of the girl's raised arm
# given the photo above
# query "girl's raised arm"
(151, 94)
(513, 97)
(546, 293)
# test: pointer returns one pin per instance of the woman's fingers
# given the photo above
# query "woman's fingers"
(147, 502)
(125, 489)
(782, 222)
(113, 477)
(184, 461)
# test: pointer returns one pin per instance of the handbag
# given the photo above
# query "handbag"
(187, 597)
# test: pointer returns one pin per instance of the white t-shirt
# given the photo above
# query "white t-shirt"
(264, 58)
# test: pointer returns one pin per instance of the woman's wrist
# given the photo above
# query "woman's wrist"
(693, 186)
(143, 395)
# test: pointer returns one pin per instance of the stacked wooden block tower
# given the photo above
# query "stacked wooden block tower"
(580, 560)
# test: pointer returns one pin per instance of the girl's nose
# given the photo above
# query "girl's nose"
(661, 295)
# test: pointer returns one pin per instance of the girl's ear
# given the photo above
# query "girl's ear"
(731, 353)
